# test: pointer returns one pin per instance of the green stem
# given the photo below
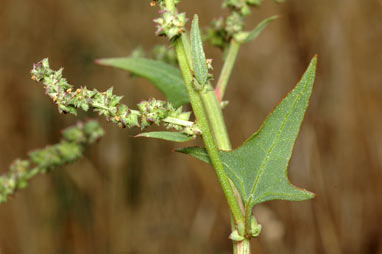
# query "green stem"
(208, 138)
(211, 117)
(243, 247)
(225, 74)
(220, 135)
(170, 4)
(216, 120)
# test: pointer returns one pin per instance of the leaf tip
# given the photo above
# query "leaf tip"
(195, 19)
(274, 17)
(314, 59)
(100, 61)
(140, 135)
(311, 195)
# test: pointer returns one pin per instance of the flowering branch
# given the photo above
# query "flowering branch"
(106, 103)
(68, 150)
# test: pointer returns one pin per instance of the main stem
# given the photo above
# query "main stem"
(208, 138)
(207, 109)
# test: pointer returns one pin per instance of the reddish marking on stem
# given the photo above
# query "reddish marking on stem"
(218, 94)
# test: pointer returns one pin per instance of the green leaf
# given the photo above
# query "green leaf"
(166, 135)
(259, 167)
(199, 61)
(165, 77)
(259, 28)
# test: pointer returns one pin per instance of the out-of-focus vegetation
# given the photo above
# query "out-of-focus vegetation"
(135, 196)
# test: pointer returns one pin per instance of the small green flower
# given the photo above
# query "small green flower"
(170, 24)
(69, 149)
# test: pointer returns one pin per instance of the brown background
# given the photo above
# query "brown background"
(134, 195)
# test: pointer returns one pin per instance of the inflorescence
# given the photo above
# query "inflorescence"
(70, 148)
(106, 103)
(171, 23)
(222, 30)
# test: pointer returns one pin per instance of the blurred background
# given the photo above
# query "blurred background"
(137, 196)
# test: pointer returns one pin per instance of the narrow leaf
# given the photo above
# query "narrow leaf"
(259, 167)
(259, 28)
(198, 57)
(165, 77)
(196, 152)
(166, 135)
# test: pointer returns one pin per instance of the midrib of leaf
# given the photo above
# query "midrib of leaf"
(236, 175)
(265, 162)
(161, 71)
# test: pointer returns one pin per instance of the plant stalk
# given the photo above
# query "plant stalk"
(208, 138)
(219, 134)
(209, 115)
(225, 74)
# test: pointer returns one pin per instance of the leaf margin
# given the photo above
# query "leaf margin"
(174, 89)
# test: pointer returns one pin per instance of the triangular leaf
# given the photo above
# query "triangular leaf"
(259, 28)
(198, 57)
(166, 135)
(259, 167)
(165, 77)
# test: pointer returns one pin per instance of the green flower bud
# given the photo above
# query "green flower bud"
(235, 236)
(170, 24)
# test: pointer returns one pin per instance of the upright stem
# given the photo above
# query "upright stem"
(216, 120)
(209, 115)
(170, 4)
(233, 50)
(208, 138)
(219, 132)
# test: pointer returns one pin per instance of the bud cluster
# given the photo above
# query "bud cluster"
(222, 30)
(242, 6)
(170, 24)
(107, 104)
(68, 150)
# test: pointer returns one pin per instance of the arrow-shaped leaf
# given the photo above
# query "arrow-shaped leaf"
(166, 135)
(165, 77)
(198, 57)
(259, 167)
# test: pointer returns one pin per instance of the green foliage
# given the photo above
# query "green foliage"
(250, 36)
(166, 135)
(258, 168)
(199, 61)
(69, 149)
(165, 77)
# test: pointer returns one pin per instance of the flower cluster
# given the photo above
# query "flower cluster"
(161, 3)
(170, 24)
(222, 30)
(242, 6)
(68, 150)
(107, 104)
